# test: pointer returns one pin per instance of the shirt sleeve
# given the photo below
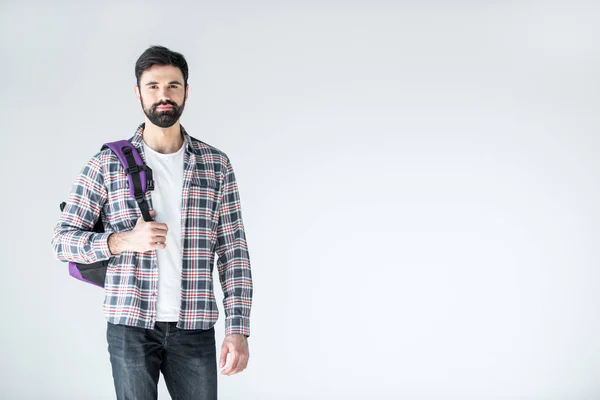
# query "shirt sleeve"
(233, 259)
(73, 239)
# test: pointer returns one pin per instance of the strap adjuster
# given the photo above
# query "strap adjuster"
(132, 170)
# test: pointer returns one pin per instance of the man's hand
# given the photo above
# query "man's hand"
(237, 347)
(145, 236)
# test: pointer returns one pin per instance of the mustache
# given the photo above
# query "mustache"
(165, 103)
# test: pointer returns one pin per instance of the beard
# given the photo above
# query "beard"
(163, 118)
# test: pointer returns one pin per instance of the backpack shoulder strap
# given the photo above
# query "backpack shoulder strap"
(139, 175)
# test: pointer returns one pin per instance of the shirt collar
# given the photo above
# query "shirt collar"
(137, 140)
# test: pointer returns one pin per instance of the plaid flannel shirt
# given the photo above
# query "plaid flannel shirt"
(211, 223)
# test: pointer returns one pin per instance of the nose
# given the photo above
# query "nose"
(163, 94)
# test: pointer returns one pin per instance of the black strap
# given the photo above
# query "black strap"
(147, 169)
(134, 170)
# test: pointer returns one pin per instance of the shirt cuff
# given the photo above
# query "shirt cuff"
(237, 325)
(100, 246)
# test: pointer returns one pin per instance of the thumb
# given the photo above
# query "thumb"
(141, 218)
(224, 351)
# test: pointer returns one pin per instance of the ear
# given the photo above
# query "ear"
(136, 90)
(187, 91)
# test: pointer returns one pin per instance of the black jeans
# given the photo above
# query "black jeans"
(187, 359)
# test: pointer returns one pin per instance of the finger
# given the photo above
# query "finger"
(158, 226)
(229, 368)
(157, 246)
(223, 359)
(152, 213)
(158, 237)
(157, 233)
(243, 364)
(233, 363)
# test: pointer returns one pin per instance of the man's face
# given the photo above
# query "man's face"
(162, 94)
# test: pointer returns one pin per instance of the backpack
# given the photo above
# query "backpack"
(139, 177)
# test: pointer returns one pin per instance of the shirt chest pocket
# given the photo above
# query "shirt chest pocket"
(204, 195)
(121, 209)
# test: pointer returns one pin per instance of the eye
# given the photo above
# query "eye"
(153, 87)
(174, 86)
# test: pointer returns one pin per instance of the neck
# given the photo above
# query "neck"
(163, 140)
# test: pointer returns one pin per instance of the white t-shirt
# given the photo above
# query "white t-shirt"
(167, 171)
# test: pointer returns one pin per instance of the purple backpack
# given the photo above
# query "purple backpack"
(139, 177)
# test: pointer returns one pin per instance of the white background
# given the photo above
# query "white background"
(419, 183)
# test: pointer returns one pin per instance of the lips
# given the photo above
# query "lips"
(161, 108)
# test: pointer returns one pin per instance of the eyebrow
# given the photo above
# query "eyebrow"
(170, 83)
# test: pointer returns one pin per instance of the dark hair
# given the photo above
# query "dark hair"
(159, 55)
